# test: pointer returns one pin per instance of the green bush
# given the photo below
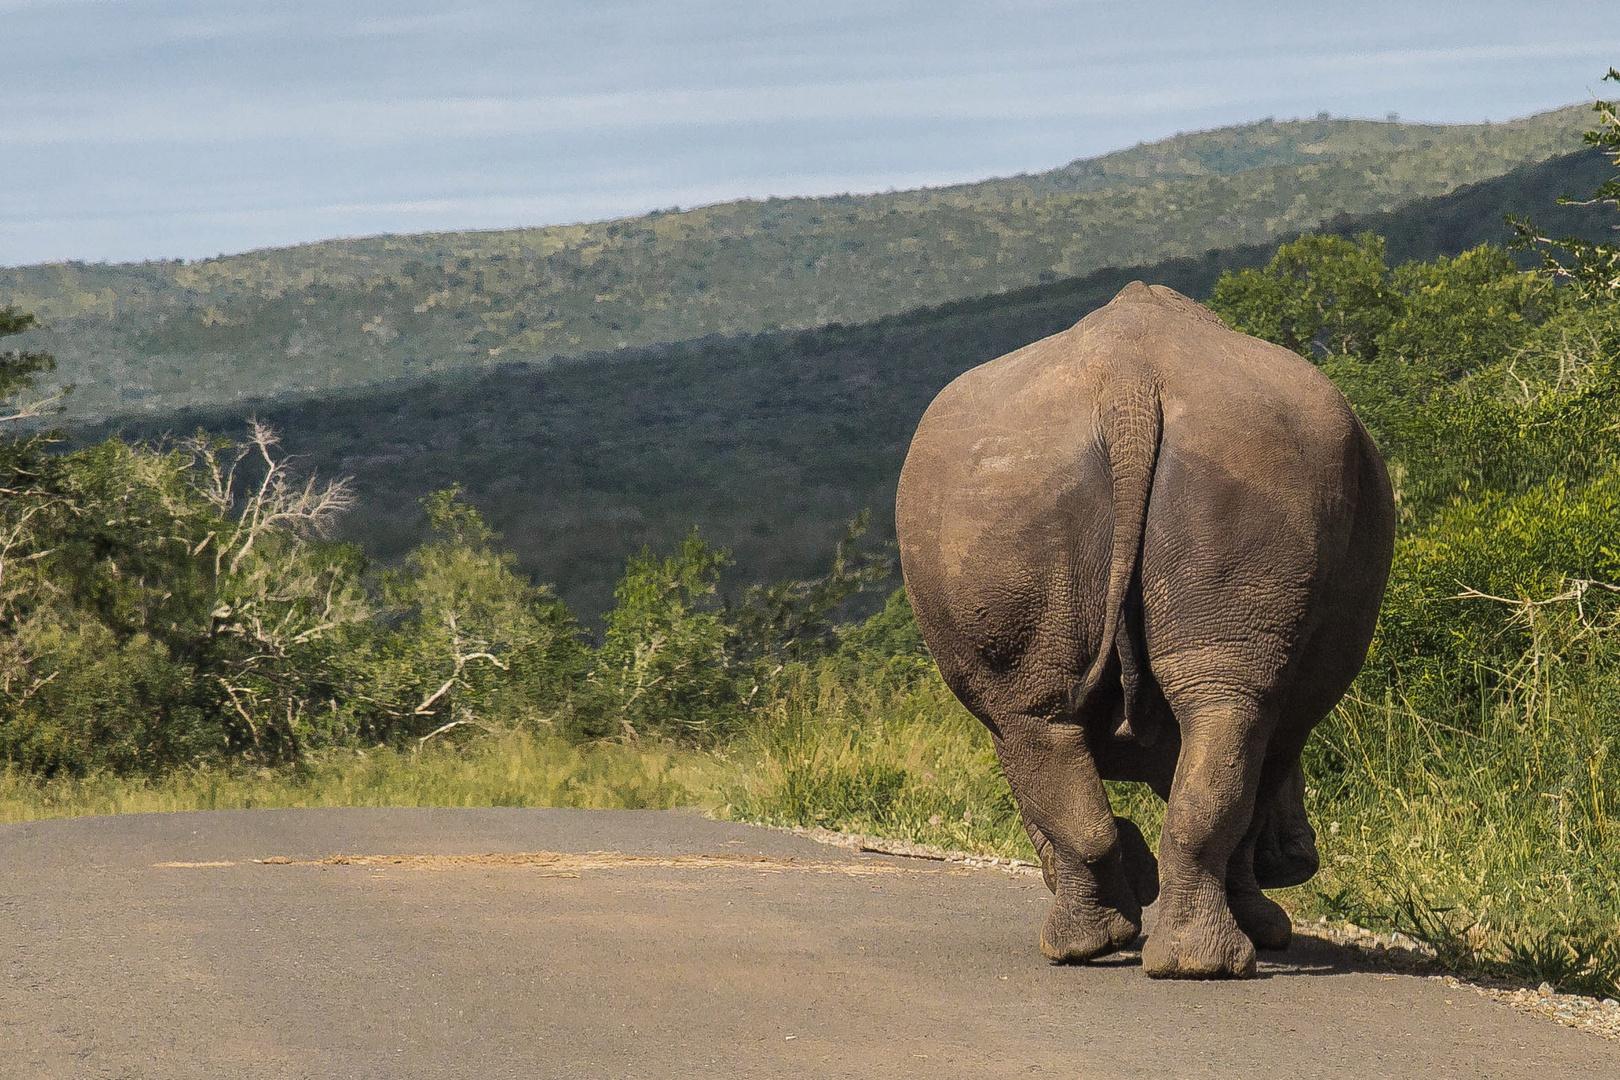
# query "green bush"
(468, 639)
(1320, 295)
(663, 668)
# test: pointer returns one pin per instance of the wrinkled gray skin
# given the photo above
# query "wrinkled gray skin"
(1149, 548)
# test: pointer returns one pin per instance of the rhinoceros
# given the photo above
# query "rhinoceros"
(1150, 548)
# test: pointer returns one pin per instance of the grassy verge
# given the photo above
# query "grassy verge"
(1496, 846)
(1494, 843)
(509, 770)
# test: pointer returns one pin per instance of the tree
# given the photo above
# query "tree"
(26, 498)
(18, 369)
(475, 643)
(1593, 268)
(663, 669)
(1319, 296)
(792, 620)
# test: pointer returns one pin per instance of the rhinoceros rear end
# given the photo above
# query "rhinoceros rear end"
(1149, 548)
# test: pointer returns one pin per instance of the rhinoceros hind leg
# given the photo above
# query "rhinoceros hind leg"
(1094, 910)
(1141, 868)
(1284, 860)
(1075, 932)
(1043, 852)
(1195, 934)
(1261, 919)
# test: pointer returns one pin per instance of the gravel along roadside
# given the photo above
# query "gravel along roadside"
(1394, 952)
(1601, 1018)
(1398, 952)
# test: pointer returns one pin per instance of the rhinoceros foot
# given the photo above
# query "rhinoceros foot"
(1206, 948)
(1073, 935)
(1262, 919)
(1095, 911)
(1285, 844)
(1292, 860)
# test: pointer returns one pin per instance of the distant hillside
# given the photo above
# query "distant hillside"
(767, 442)
(353, 312)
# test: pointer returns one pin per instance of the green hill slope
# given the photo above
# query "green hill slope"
(352, 312)
(767, 442)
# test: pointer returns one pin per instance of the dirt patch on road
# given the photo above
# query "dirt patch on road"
(560, 863)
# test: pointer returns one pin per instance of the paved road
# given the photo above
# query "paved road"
(700, 949)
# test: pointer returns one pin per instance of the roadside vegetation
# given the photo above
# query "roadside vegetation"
(176, 631)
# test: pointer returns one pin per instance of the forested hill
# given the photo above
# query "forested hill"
(347, 313)
(770, 442)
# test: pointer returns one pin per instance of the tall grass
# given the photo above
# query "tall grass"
(513, 769)
(892, 754)
(1493, 838)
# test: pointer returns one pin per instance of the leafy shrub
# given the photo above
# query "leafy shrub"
(470, 638)
(663, 668)
(1319, 295)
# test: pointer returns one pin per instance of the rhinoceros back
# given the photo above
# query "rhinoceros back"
(1025, 497)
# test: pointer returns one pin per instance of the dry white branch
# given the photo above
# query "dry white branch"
(276, 503)
(231, 692)
(16, 537)
(1577, 590)
(460, 659)
(1531, 676)
(35, 409)
(447, 727)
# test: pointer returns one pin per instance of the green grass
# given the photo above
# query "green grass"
(515, 769)
(891, 756)
(1494, 842)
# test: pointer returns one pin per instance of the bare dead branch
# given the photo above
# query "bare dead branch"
(1579, 587)
(253, 729)
(427, 703)
(447, 727)
(33, 410)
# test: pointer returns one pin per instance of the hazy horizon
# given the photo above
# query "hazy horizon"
(677, 208)
(187, 128)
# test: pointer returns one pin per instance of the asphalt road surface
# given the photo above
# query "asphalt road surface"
(682, 948)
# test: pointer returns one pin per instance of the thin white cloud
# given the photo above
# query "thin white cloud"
(1468, 55)
(367, 120)
(1096, 89)
(401, 25)
(14, 6)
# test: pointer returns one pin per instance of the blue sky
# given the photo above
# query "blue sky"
(135, 129)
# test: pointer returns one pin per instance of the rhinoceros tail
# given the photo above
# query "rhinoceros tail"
(1130, 426)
